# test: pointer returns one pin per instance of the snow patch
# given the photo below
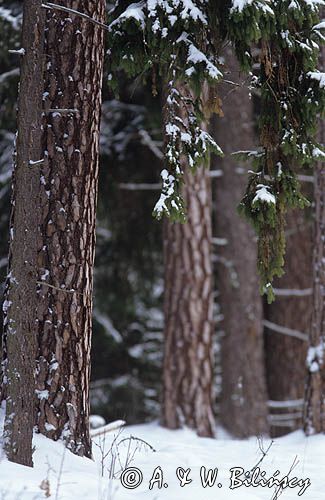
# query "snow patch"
(319, 76)
(263, 194)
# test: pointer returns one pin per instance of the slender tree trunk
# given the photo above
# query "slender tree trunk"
(243, 403)
(188, 308)
(285, 355)
(75, 52)
(188, 361)
(21, 298)
(314, 412)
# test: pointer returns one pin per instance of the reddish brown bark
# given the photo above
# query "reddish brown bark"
(188, 361)
(21, 300)
(75, 52)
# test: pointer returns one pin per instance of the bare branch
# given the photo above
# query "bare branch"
(8, 74)
(43, 283)
(292, 403)
(306, 178)
(147, 186)
(292, 292)
(113, 426)
(219, 241)
(278, 492)
(147, 140)
(139, 440)
(129, 186)
(285, 417)
(263, 452)
(285, 331)
(19, 52)
(215, 173)
(63, 111)
(54, 6)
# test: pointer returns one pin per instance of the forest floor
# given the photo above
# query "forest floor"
(60, 475)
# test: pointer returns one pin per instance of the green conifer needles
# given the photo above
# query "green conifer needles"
(178, 41)
(170, 41)
(292, 96)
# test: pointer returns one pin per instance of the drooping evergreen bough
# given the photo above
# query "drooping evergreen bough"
(171, 42)
(292, 96)
(178, 42)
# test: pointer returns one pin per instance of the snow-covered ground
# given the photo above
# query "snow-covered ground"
(65, 476)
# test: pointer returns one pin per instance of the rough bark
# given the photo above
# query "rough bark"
(243, 402)
(188, 309)
(284, 355)
(21, 298)
(314, 411)
(75, 52)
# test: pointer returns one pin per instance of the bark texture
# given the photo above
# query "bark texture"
(314, 412)
(284, 355)
(21, 298)
(188, 307)
(243, 403)
(75, 52)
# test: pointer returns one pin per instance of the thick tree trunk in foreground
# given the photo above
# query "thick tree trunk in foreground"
(75, 51)
(188, 361)
(314, 413)
(285, 355)
(21, 298)
(243, 404)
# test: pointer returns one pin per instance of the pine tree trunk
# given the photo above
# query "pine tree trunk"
(243, 403)
(314, 411)
(75, 50)
(188, 307)
(284, 355)
(21, 299)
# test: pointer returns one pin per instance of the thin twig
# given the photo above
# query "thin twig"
(113, 426)
(57, 288)
(292, 292)
(285, 330)
(137, 439)
(290, 403)
(60, 475)
(263, 452)
(62, 111)
(139, 186)
(280, 489)
(9, 74)
(54, 6)
(233, 83)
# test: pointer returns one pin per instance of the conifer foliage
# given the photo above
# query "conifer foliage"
(178, 41)
(292, 95)
(171, 42)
